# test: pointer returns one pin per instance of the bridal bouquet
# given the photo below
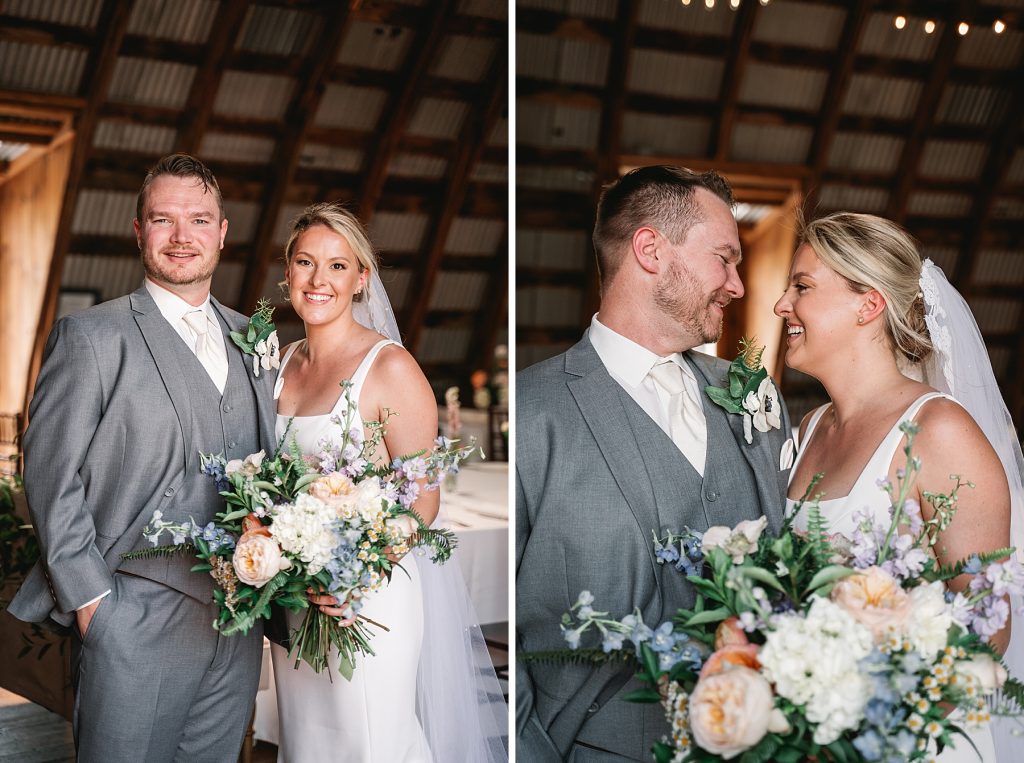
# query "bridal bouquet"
(329, 522)
(817, 646)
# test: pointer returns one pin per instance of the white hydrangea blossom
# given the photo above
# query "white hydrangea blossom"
(305, 529)
(813, 660)
(928, 626)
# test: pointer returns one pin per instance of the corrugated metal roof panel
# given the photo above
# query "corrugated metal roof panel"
(458, 291)
(418, 166)
(943, 256)
(464, 58)
(486, 172)
(398, 231)
(995, 316)
(1008, 208)
(104, 213)
(355, 108)
(555, 126)
(279, 31)
(396, 282)
(41, 68)
(808, 25)
(972, 105)
(882, 38)
(326, 157)
(717, 22)
(553, 249)
(1015, 173)
(788, 86)
(242, 216)
(112, 277)
(680, 76)
(285, 218)
(548, 306)
(848, 198)
(11, 151)
(438, 118)
(873, 96)
(491, 9)
(562, 60)
(936, 204)
(474, 236)
(246, 94)
(657, 134)
(231, 147)
(84, 13)
(865, 152)
(769, 143)
(151, 82)
(180, 20)
(375, 46)
(600, 9)
(952, 159)
(554, 178)
(983, 47)
(443, 345)
(999, 266)
(134, 137)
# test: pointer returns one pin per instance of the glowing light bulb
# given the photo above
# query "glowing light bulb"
(929, 26)
(685, 2)
(710, 4)
(899, 22)
(765, 2)
(964, 28)
(998, 27)
(734, 4)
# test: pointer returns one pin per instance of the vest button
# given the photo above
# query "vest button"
(169, 492)
(231, 444)
(227, 408)
(712, 495)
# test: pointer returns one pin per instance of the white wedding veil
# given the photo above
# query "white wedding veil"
(458, 699)
(959, 366)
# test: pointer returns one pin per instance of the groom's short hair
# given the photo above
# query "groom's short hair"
(180, 166)
(661, 196)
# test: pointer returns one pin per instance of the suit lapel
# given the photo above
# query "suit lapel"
(758, 453)
(158, 335)
(599, 400)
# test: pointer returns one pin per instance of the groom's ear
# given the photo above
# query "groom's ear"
(872, 305)
(645, 249)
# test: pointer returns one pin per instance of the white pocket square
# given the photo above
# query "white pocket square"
(787, 456)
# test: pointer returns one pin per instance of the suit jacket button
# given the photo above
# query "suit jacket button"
(594, 707)
(169, 492)
(712, 495)
(231, 444)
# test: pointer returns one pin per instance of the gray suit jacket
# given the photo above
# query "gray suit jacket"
(585, 508)
(109, 441)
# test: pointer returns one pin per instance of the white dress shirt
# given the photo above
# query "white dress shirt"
(173, 308)
(629, 364)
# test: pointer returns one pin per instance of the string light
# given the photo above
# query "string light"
(685, 2)
(710, 4)
(929, 26)
(998, 26)
(734, 4)
(900, 21)
(964, 28)
(765, 2)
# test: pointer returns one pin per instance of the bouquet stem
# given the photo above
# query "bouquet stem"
(312, 640)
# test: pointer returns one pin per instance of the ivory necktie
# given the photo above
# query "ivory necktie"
(209, 352)
(686, 417)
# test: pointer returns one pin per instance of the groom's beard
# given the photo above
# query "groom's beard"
(679, 295)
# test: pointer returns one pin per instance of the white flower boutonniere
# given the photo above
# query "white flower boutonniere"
(750, 392)
(260, 339)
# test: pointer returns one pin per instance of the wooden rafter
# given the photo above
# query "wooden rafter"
(199, 104)
(494, 310)
(849, 42)
(925, 117)
(96, 76)
(732, 78)
(301, 111)
(399, 107)
(472, 137)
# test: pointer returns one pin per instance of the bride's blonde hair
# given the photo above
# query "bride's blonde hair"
(339, 220)
(871, 252)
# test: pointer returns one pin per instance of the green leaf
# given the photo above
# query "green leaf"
(762, 576)
(789, 755)
(721, 398)
(642, 695)
(239, 514)
(831, 574)
(735, 386)
(709, 616)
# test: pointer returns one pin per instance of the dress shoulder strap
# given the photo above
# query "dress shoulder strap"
(279, 384)
(361, 372)
(811, 425)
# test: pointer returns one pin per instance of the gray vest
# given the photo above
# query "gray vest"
(227, 424)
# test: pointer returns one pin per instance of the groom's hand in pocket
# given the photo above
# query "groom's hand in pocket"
(84, 615)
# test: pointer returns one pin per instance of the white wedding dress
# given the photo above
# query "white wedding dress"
(372, 718)
(840, 512)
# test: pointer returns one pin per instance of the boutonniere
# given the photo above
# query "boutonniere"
(260, 339)
(749, 393)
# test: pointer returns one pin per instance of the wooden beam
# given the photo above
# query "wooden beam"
(838, 81)
(472, 137)
(399, 107)
(206, 82)
(301, 111)
(924, 116)
(732, 78)
(96, 76)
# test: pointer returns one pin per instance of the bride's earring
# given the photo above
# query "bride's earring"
(860, 320)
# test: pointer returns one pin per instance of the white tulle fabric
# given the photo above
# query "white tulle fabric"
(960, 367)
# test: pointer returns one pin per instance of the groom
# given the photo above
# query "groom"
(129, 394)
(616, 439)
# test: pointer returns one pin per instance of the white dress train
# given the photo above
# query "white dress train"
(865, 493)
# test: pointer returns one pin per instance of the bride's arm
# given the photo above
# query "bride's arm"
(950, 442)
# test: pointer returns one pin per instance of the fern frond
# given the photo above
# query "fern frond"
(578, 657)
(950, 571)
(185, 549)
(441, 541)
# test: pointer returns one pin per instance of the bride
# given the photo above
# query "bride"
(427, 693)
(891, 341)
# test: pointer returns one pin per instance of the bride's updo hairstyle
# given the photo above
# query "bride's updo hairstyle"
(336, 218)
(874, 253)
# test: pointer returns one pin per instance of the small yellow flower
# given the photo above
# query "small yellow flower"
(922, 705)
(934, 729)
(915, 723)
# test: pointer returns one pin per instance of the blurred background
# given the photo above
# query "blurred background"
(910, 109)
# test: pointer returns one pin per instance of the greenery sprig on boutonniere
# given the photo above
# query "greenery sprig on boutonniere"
(260, 339)
(750, 392)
